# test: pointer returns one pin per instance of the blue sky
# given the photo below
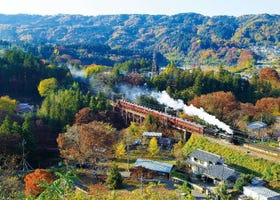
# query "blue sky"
(169, 7)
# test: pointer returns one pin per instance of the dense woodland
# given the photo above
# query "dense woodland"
(71, 85)
(187, 38)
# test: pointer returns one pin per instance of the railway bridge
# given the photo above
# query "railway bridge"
(135, 113)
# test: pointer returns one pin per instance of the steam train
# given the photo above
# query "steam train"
(180, 123)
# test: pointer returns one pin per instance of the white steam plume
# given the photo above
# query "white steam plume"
(165, 99)
(132, 92)
(77, 73)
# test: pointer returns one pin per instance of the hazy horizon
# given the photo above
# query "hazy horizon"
(152, 7)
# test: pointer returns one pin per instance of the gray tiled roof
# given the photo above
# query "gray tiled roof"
(205, 156)
(221, 172)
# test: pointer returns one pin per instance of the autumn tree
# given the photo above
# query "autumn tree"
(47, 86)
(120, 151)
(94, 69)
(221, 104)
(269, 74)
(32, 182)
(178, 153)
(86, 143)
(269, 105)
(8, 104)
(134, 79)
(246, 59)
(61, 188)
(153, 147)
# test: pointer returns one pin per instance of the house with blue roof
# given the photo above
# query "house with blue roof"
(159, 167)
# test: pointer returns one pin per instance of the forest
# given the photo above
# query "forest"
(74, 122)
(187, 38)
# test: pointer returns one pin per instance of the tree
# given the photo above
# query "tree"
(153, 147)
(114, 180)
(10, 151)
(243, 180)
(7, 125)
(178, 153)
(120, 151)
(59, 108)
(185, 188)
(32, 182)
(61, 188)
(246, 59)
(221, 104)
(222, 191)
(94, 69)
(28, 135)
(268, 105)
(269, 74)
(86, 143)
(47, 86)
(8, 104)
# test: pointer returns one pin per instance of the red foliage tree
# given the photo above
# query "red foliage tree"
(222, 104)
(33, 180)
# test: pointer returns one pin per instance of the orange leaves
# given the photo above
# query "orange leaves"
(33, 180)
(221, 104)
(269, 105)
(269, 74)
(86, 142)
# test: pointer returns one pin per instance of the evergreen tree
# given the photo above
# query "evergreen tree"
(7, 125)
(28, 135)
(114, 180)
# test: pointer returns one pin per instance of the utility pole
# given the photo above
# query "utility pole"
(127, 146)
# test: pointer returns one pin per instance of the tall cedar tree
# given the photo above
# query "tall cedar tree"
(114, 180)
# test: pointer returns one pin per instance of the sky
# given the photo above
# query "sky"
(167, 7)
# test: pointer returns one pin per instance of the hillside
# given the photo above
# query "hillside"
(207, 40)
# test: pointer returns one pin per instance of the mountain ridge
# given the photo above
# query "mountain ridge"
(187, 34)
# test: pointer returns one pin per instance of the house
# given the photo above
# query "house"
(152, 134)
(160, 167)
(260, 193)
(257, 129)
(211, 167)
(23, 108)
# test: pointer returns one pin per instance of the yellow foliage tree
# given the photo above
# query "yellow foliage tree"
(94, 69)
(7, 104)
(120, 151)
(153, 147)
(47, 86)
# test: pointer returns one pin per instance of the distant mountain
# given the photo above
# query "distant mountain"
(198, 38)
